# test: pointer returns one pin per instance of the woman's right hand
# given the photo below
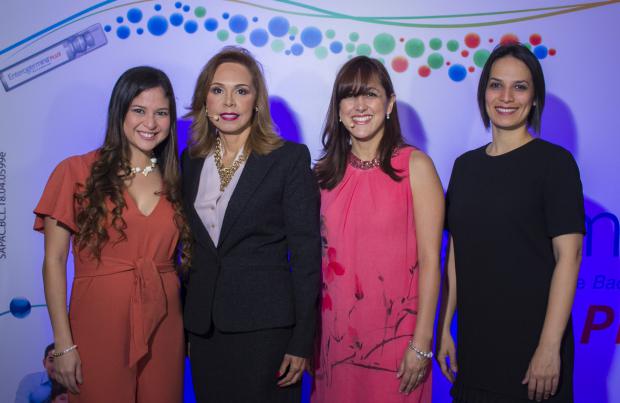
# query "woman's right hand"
(446, 357)
(68, 371)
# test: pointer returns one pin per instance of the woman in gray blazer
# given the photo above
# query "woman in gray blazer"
(252, 204)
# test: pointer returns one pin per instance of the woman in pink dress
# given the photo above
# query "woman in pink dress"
(382, 213)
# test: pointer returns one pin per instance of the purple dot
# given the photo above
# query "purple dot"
(287, 52)
(292, 37)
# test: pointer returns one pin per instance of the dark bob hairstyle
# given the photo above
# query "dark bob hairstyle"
(522, 53)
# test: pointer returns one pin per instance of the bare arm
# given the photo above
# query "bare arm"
(428, 202)
(57, 240)
(543, 374)
(445, 344)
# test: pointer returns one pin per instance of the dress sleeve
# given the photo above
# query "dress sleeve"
(57, 200)
(564, 209)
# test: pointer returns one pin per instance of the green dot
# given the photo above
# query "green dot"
(200, 12)
(435, 60)
(277, 45)
(435, 43)
(452, 45)
(382, 60)
(527, 45)
(480, 57)
(414, 47)
(320, 52)
(222, 34)
(240, 39)
(349, 47)
(364, 49)
(384, 43)
(354, 36)
(330, 34)
(293, 30)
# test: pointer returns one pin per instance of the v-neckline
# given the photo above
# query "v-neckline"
(135, 204)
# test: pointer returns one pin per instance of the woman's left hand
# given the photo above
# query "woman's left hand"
(295, 366)
(543, 374)
(411, 372)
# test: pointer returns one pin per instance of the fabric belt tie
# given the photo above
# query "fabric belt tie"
(148, 304)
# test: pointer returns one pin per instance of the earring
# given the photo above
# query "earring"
(387, 116)
(256, 108)
(339, 120)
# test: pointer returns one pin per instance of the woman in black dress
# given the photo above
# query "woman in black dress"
(516, 220)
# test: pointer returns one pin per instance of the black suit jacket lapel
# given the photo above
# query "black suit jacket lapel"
(253, 173)
(201, 234)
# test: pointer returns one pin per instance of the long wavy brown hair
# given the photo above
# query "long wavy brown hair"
(111, 168)
(263, 139)
(352, 80)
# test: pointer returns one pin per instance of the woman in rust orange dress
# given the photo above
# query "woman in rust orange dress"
(119, 208)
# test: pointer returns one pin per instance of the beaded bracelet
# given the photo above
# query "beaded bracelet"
(422, 355)
(63, 352)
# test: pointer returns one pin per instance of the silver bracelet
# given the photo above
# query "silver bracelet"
(422, 355)
(63, 352)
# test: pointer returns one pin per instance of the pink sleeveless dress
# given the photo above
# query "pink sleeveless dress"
(370, 287)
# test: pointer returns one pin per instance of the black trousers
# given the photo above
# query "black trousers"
(240, 367)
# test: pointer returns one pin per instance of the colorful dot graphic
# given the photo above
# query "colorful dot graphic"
(20, 307)
(409, 55)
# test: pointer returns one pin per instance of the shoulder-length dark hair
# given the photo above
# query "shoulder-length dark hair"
(352, 80)
(112, 168)
(522, 53)
(263, 139)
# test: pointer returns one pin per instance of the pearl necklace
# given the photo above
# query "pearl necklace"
(226, 174)
(146, 170)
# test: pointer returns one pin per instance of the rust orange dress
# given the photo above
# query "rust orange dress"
(125, 311)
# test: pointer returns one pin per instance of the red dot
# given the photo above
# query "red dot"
(399, 64)
(490, 40)
(448, 63)
(464, 53)
(552, 52)
(472, 40)
(535, 39)
(508, 39)
(471, 69)
(424, 71)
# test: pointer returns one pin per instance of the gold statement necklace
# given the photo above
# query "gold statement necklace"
(226, 174)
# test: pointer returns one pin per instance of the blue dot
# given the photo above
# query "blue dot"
(134, 15)
(225, 16)
(176, 19)
(186, 8)
(254, 19)
(291, 37)
(107, 28)
(335, 47)
(238, 23)
(210, 24)
(541, 51)
(311, 37)
(287, 52)
(119, 20)
(297, 49)
(178, 4)
(20, 307)
(123, 32)
(191, 26)
(157, 25)
(259, 37)
(140, 31)
(457, 72)
(278, 26)
(157, 7)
